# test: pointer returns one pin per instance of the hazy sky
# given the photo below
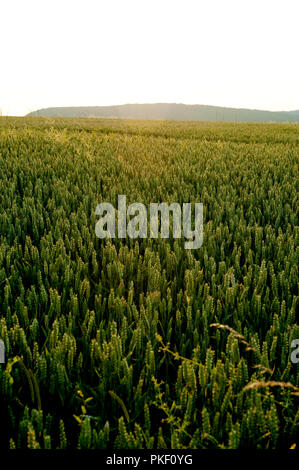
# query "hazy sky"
(98, 52)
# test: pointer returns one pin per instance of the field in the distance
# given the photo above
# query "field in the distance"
(109, 343)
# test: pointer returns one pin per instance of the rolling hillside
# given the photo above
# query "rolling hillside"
(171, 111)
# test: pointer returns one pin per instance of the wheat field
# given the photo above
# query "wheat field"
(123, 343)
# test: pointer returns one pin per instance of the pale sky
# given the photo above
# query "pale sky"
(239, 53)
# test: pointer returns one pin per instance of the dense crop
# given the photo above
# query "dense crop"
(141, 343)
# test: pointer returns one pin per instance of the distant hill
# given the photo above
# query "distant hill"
(171, 111)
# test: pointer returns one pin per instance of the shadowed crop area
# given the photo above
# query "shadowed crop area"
(141, 343)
